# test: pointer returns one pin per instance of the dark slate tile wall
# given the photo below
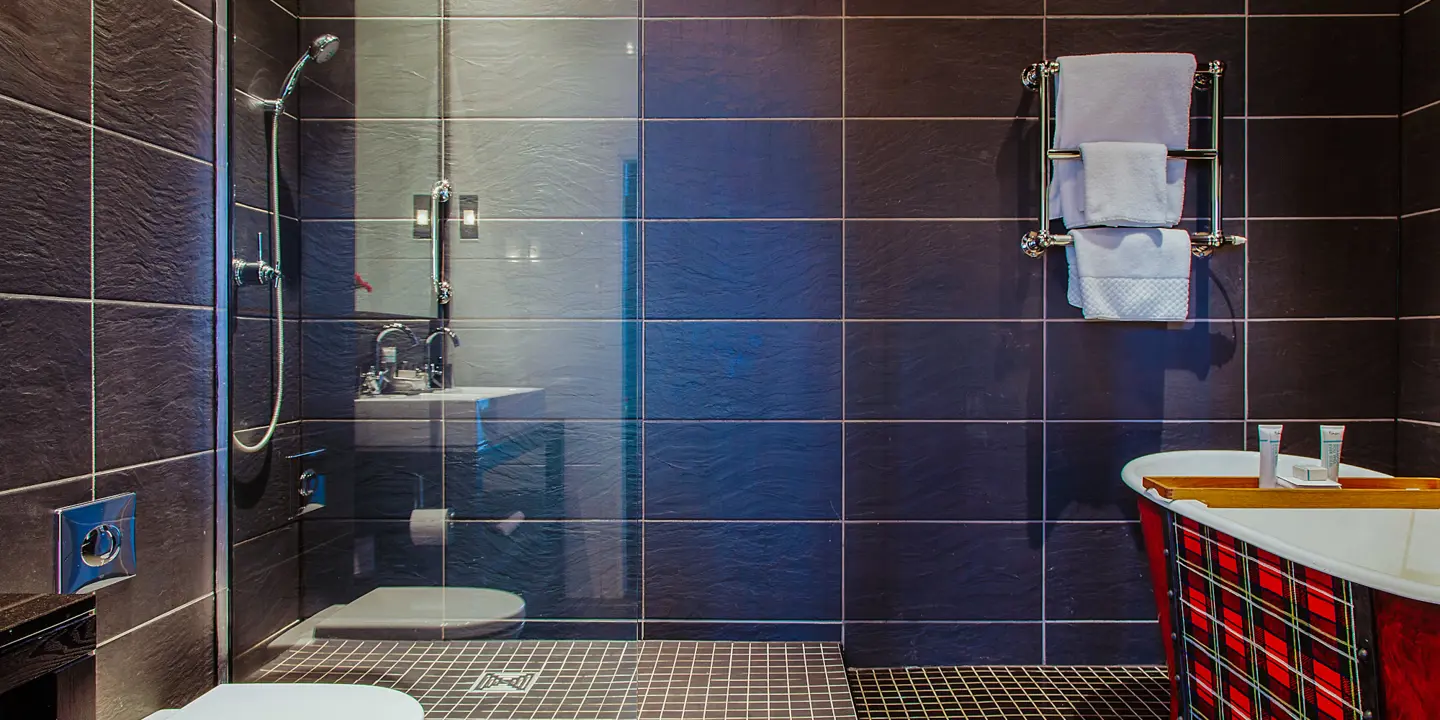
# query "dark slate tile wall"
(847, 360)
(107, 305)
(264, 503)
(1419, 354)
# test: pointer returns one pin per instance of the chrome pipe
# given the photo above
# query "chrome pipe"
(438, 195)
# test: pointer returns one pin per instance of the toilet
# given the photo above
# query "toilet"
(243, 701)
(413, 613)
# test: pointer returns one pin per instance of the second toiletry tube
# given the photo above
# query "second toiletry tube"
(1332, 437)
(1269, 454)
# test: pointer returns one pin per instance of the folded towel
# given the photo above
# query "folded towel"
(1140, 274)
(1127, 185)
(1135, 97)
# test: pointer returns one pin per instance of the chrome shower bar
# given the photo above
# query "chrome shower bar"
(439, 195)
(1040, 78)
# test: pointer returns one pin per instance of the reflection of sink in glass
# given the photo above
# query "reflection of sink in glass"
(460, 403)
(455, 394)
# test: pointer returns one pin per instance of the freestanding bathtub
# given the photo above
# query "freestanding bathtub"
(1292, 613)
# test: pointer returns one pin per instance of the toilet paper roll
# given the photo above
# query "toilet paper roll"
(429, 527)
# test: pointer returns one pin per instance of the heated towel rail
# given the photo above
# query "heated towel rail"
(1040, 78)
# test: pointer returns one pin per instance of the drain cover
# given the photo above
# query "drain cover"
(504, 682)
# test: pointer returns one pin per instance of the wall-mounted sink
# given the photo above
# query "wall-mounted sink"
(460, 403)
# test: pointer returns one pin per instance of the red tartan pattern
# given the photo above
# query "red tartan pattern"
(1261, 638)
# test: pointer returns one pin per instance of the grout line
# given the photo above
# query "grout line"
(1245, 273)
(158, 618)
(153, 146)
(194, 12)
(92, 476)
(1417, 6)
(1426, 106)
(844, 300)
(1044, 382)
(94, 376)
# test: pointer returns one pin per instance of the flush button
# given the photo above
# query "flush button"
(97, 542)
(100, 546)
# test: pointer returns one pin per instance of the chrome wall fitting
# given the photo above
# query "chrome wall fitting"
(257, 272)
(439, 195)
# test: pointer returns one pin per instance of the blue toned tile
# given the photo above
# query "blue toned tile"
(743, 270)
(1129, 371)
(919, 270)
(881, 645)
(1084, 461)
(562, 570)
(719, 169)
(1331, 369)
(925, 571)
(743, 632)
(1097, 571)
(544, 470)
(1104, 644)
(743, 371)
(1417, 449)
(543, 630)
(741, 8)
(577, 366)
(743, 471)
(45, 430)
(742, 571)
(385, 556)
(749, 68)
(944, 371)
(943, 471)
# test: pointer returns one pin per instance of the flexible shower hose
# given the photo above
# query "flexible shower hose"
(279, 281)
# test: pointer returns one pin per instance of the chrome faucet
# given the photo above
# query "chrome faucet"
(436, 370)
(376, 380)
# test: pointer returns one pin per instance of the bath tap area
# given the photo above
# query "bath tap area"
(719, 359)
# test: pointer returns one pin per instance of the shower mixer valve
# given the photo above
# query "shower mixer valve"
(258, 272)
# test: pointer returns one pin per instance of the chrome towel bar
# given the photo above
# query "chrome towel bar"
(1040, 78)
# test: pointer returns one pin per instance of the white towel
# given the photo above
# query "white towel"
(1133, 97)
(1140, 274)
(1126, 185)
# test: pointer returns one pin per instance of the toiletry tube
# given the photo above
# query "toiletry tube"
(1269, 454)
(1331, 439)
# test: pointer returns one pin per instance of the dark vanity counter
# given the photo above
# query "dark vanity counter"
(47, 649)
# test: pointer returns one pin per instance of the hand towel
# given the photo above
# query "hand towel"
(1131, 97)
(1127, 185)
(1136, 274)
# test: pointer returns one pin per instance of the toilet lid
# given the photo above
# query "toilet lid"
(418, 613)
(281, 701)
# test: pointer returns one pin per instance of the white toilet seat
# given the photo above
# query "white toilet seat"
(286, 701)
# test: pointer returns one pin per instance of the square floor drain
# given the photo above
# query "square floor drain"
(504, 682)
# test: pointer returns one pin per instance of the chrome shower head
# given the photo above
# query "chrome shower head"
(324, 47)
(321, 49)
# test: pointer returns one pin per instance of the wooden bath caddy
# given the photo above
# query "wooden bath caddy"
(1242, 492)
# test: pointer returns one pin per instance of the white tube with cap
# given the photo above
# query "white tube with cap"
(1270, 454)
(1332, 437)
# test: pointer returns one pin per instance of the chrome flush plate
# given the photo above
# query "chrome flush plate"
(96, 542)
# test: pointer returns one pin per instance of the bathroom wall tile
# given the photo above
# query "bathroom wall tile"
(263, 485)
(543, 68)
(250, 132)
(154, 224)
(779, 169)
(250, 228)
(399, 467)
(543, 8)
(929, 8)
(266, 44)
(176, 113)
(1417, 449)
(59, 32)
(387, 555)
(563, 570)
(1313, 7)
(206, 7)
(743, 371)
(265, 596)
(570, 630)
(1323, 369)
(369, 8)
(28, 563)
(577, 365)
(538, 269)
(707, 571)
(1419, 369)
(384, 253)
(1370, 445)
(1323, 268)
(541, 470)
(330, 376)
(1084, 484)
(743, 471)
(1104, 644)
(328, 553)
(1287, 180)
(253, 377)
(943, 371)
(1324, 65)
(743, 270)
(1421, 31)
(542, 169)
(366, 169)
(1097, 571)
(941, 168)
(45, 190)
(993, 571)
(921, 270)
(1419, 263)
(174, 534)
(385, 68)
(930, 644)
(1145, 7)
(1421, 137)
(165, 664)
(741, 8)
(154, 383)
(942, 471)
(1146, 371)
(969, 67)
(749, 68)
(1208, 38)
(743, 632)
(45, 429)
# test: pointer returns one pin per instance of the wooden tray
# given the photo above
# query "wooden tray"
(1241, 492)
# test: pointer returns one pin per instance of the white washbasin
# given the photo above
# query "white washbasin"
(459, 403)
(455, 394)
(1218, 463)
